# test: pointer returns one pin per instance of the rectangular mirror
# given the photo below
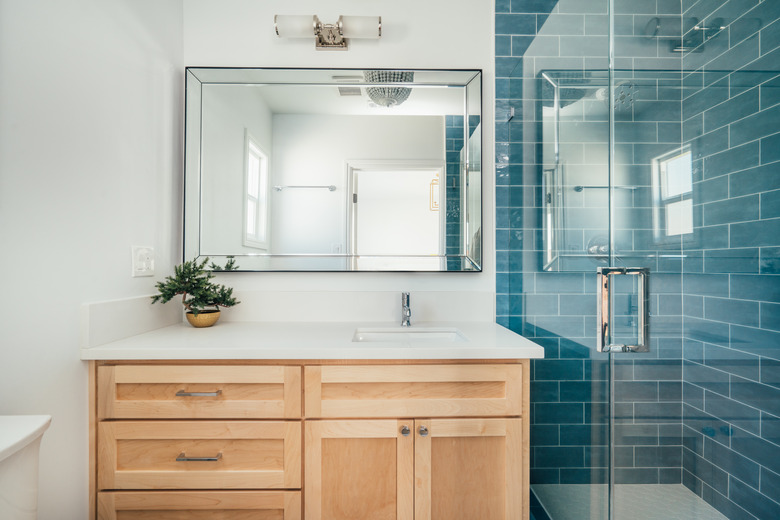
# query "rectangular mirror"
(334, 169)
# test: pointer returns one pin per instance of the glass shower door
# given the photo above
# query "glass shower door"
(566, 70)
(649, 145)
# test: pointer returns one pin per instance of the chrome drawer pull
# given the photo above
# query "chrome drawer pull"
(182, 393)
(184, 458)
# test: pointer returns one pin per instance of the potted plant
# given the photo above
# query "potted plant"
(201, 298)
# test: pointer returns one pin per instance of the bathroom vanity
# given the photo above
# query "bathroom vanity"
(317, 421)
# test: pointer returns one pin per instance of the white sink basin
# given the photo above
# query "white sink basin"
(412, 334)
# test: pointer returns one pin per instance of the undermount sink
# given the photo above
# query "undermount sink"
(408, 335)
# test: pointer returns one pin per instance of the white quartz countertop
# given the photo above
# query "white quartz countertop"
(315, 340)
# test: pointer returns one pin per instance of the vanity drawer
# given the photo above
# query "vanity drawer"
(198, 392)
(212, 455)
(201, 505)
(413, 391)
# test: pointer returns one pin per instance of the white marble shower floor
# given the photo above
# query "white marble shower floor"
(632, 501)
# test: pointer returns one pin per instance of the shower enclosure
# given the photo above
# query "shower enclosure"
(638, 240)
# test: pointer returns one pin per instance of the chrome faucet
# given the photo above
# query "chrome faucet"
(406, 310)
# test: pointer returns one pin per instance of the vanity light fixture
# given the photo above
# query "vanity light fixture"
(328, 36)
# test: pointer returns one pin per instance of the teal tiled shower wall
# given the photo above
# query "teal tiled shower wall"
(701, 409)
(731, 305)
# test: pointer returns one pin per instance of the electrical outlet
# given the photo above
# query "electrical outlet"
(143, 261)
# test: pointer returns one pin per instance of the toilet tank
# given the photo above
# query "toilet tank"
(20, 441)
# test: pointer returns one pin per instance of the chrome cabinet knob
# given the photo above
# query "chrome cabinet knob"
(405, 431)
(423, 431)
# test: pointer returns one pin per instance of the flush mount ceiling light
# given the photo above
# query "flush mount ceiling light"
(328, 36)
(388, 95)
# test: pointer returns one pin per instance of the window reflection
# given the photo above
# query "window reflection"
(255, 195)
(673, 196)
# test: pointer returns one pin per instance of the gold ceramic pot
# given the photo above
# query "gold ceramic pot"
(203, 319)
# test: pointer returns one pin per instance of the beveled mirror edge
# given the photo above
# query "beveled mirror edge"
(461, 262)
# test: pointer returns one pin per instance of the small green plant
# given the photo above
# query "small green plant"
(193, 282)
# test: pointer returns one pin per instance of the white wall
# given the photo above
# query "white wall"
(90, 164)
(432, 34)
(313, 221)
(90, 145)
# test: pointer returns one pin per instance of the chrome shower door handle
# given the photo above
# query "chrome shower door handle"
(604, 310)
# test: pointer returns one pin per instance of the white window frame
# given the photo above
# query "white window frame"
(261, 238)
(666, 203)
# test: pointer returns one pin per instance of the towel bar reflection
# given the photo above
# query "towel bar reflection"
(329, 188)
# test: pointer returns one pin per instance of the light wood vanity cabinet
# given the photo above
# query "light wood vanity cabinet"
(314, 440)
(422, 442)
(182, 428)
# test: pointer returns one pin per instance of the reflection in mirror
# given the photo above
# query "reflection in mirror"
(643, 187)
(334, 170)
(575, 208)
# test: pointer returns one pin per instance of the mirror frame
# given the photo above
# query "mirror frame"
(467, 259)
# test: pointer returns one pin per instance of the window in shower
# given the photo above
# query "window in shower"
(673, 196)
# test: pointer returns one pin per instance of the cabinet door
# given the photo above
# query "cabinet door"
(199, 392)
(413, 391)
(199, 455)
(359, 470)
(469, 468)
(201, 505)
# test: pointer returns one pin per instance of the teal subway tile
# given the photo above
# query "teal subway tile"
(733, 412)
(584, 391)
(770, 148)
(770, 201)
(732, 110)
(756, 341)
(755, 287)
(770, 373)
(706, 471)
(755, 234)
(636, 476)
(770, 316)
(762, 397)
(755, 127)
(752, 500)
(769, 260)
(753, 449)
(558, 370)
(770, 427)
(515, 24)
(737, 261)
(532, 6)
(558, 413)
(658, 456)
(732, 361)
(706, 377)
(727, 310)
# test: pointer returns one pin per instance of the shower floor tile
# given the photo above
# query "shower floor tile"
(634, 501)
